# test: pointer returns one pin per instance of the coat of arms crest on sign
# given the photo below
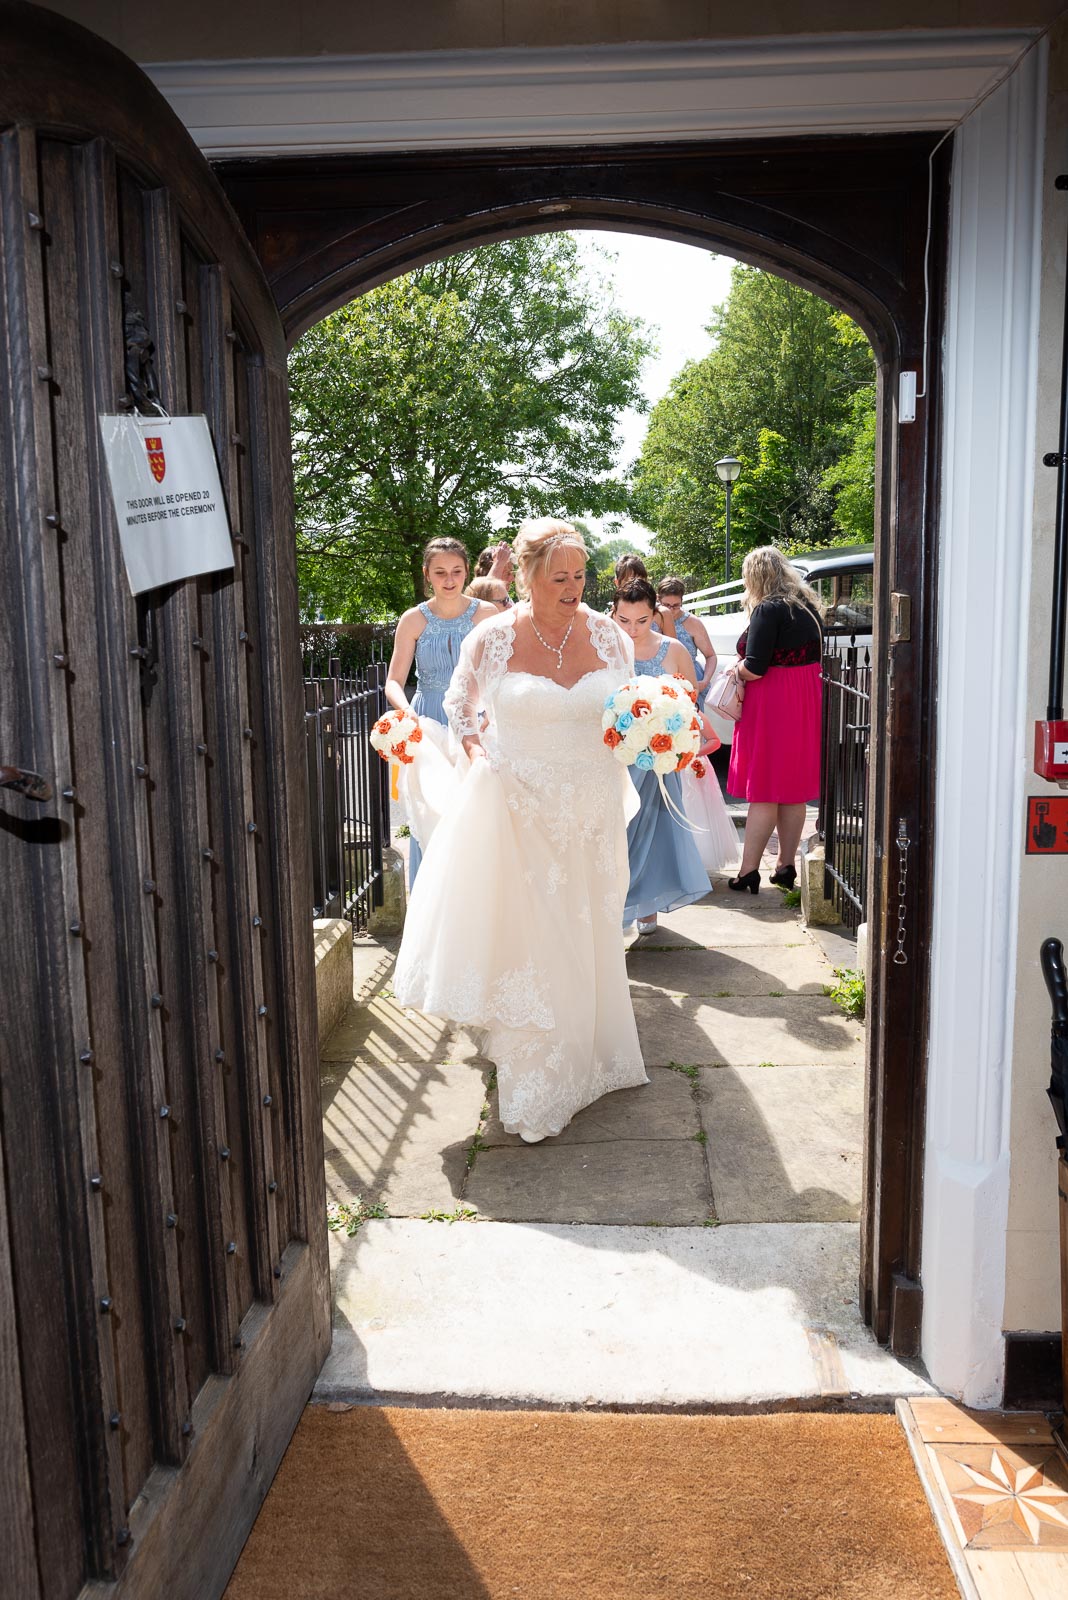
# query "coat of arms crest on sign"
(156, 459)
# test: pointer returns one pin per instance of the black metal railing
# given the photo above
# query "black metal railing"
(844, 786)
(348, 790)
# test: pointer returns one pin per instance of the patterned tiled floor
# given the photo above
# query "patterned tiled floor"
(998, 1488)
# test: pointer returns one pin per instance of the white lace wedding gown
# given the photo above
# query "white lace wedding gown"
(514, 925)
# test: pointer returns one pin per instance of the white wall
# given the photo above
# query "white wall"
(1032, 1244)
(984, 621)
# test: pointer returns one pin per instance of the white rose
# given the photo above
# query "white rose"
(665, 762)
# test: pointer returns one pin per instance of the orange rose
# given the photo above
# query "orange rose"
(695, 726)
(612, 738)
(685, 759)
(414, 738)
(403, 757)
(698, 767)
(383, 726)
(640, 708)
(660, 743)
(666, 689)
(400, 751)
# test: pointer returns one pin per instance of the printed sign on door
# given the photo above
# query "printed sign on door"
(168, 498)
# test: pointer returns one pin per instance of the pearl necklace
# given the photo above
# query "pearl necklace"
(553, 649)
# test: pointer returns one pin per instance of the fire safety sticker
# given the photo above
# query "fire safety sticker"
(1047, 825)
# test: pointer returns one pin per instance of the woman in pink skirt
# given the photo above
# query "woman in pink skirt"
(775, 756)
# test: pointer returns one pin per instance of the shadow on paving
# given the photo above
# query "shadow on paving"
(753, 1112)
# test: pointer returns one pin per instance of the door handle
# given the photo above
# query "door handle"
(24, 782)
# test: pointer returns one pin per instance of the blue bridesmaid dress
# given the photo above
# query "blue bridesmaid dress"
(665, 865)
(686, 639)
(437, 650)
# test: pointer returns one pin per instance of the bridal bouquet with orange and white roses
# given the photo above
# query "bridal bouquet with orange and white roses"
(392, 735)
(652, 724)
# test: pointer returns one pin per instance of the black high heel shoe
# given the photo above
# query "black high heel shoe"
(785, 877)
(748, 880)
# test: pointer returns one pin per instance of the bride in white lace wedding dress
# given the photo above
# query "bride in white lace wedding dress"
(515, 922)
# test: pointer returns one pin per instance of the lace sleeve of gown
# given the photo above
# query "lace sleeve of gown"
(615, 648)
(483, 662)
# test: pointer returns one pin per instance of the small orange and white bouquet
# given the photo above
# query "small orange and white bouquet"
(393, 734)
(652, 724)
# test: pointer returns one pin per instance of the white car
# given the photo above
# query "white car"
(843, 578)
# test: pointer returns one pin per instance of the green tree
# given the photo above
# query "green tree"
(491, 379)
(777, 391)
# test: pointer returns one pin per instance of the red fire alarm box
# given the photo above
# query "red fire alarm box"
(1051, 751)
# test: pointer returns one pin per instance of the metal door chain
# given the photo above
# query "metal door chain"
(903, 842)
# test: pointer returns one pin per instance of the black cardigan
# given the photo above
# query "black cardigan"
(779, 635)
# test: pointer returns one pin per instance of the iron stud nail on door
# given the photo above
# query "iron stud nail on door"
(69, 793)
(52, 519)
(172, 1219)
(224, 1153)
(268, 1100)
(76, 929)
(187, 1428)
(115, 268)
(44, 373)
(220, 1055)
(123, 1537)
(156, 1001)
(114, 1420)
(149, 885)
(271, 1187)
(85, 1057)
(179, 1324)
(239, 1343)
(59, 658)
(231, 1248)
(164, 1112)
(34, 220)
(213, 955)
(105, 1304)
(96, 1181)
(261, 1011)
(202, 748)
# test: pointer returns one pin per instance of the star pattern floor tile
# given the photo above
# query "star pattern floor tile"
(1006, 1497)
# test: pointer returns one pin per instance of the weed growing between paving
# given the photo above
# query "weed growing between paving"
(461, 1214)
(687, 1072)
(765, 1063)
(351, 1214)
(848, 991)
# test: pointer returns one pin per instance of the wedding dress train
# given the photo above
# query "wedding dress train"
(514, 923)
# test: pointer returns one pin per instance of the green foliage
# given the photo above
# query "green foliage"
(491, 379)
(461, 1214)
(848, 991)
(351, 1214)
(789, 389)
(687, 1072)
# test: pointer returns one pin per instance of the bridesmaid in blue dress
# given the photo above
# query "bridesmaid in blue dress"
(430, 634)
(665, 864)
(691, 633)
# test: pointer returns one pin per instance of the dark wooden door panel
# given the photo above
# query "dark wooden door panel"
(164, 1238)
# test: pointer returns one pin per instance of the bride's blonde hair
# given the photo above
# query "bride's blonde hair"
(534, 546)
(768, 575)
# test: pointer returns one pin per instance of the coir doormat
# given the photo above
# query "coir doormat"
(400, 1504)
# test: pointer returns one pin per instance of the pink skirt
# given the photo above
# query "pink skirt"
(775, 753)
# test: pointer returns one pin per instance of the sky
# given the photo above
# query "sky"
(672, 287)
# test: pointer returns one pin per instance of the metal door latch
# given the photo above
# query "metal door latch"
(24, 782)
(900, 618)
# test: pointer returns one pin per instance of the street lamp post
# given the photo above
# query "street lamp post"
(727, 470)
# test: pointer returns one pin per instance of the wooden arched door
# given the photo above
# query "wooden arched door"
(164, 1299)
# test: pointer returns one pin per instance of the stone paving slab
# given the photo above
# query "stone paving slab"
(572, 1315)
(766, 970)
(382, 1030)
(627, 1181)
(663, 1108)
(724, 920)
(398, 1133)
(372, 962)
(785, 1144)
(705, 1033)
